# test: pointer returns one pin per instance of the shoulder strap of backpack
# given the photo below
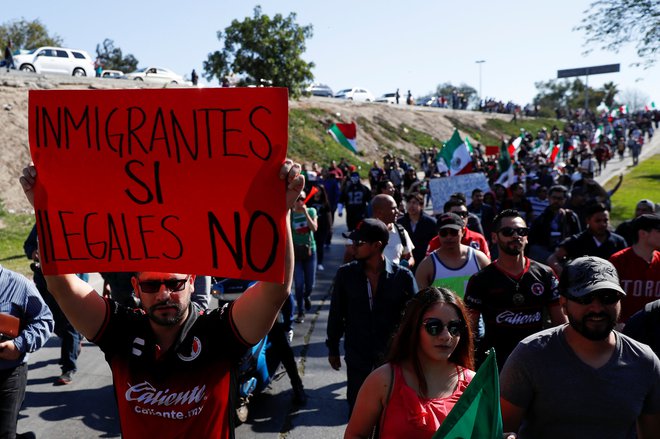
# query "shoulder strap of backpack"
(402, 234)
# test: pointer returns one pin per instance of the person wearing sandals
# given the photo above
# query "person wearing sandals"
(428, 367)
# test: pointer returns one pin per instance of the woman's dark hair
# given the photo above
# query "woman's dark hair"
(323, 194)
(405, 343)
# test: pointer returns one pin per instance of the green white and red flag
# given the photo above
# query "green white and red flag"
(345, 134)
(457, 155)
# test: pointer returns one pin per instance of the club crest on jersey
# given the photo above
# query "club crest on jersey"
(195, 350)
(537, 289)
(138, 345)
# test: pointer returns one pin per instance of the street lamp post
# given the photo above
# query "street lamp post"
(480, 62)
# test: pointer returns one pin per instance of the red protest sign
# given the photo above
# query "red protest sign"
(178, 180)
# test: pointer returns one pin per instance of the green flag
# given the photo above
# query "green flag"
(477, 412)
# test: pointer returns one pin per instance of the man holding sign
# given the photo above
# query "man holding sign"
(153, 157)
(171, 365)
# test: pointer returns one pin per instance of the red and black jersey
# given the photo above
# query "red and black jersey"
(183, 392)
(639, 279)
(512, 307)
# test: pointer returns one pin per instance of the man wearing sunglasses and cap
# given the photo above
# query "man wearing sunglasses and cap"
(172, 365)
(451, 265)
(368, 298)
(583, 379)
(514, 292)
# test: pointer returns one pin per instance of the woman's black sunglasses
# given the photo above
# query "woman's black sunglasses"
(435, 326)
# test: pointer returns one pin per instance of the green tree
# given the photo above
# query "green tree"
(565, 94)
(27, 34)
(111, 57)
(615, 23)
(261, 50)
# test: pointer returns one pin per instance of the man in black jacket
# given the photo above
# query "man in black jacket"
(420, 227)
(553, 226)
(368, 299)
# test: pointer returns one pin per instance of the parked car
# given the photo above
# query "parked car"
(355, 94)
(157, 75)
(320, 90)
(55, 60)
(427, 101)
(390, 98)
(113, 74)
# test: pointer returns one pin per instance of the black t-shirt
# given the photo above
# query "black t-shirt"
(583, 244)
(512, 308)
(182, 392)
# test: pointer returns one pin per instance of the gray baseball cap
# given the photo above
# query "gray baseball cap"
(587, 274)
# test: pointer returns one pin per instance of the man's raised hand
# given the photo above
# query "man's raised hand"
(27, 181)
(295, 181)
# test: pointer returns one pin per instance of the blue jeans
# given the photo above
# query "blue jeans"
(12, 393)
(304, 276)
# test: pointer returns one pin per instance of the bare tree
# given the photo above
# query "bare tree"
(634, 99)
(615, 23)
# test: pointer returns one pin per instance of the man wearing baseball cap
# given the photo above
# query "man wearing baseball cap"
(368, 298)
(453, 263)
(583, 379)
(638, 266)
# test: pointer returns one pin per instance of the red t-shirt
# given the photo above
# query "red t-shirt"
(639, 279)
(473, 239)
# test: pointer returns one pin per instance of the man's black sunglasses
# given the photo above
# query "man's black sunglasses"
(435, 326)
(445, 232)
(605, 297)
(153, 286)
(510, 231)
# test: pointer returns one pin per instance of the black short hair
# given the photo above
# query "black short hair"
(476, 191)
(593, 209)
(452, 203)
(558, 188)
(506, 213)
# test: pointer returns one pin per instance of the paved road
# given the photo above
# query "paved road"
(86, 408)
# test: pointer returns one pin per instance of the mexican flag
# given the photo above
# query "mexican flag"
(456, 154)
(515, 145)
(477, 412)
(345, 134)
(554, 153)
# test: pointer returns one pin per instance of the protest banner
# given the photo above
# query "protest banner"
(442, 188)
(170, 180)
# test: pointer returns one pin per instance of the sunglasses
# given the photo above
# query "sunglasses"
(605, 297)
(510, 231)
(173, 285)
(462, 214)
(435, 327)
(446, 232)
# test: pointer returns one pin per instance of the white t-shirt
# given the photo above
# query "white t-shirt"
(394, 248)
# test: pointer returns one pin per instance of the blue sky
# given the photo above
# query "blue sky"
(380, 45)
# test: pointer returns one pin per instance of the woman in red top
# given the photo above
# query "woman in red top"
(429, 365)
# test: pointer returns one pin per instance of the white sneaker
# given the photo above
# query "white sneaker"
(289, 336)
(320, 267)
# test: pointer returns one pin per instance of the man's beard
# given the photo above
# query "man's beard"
(168, 320)
(511, 249)
(582, 327)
